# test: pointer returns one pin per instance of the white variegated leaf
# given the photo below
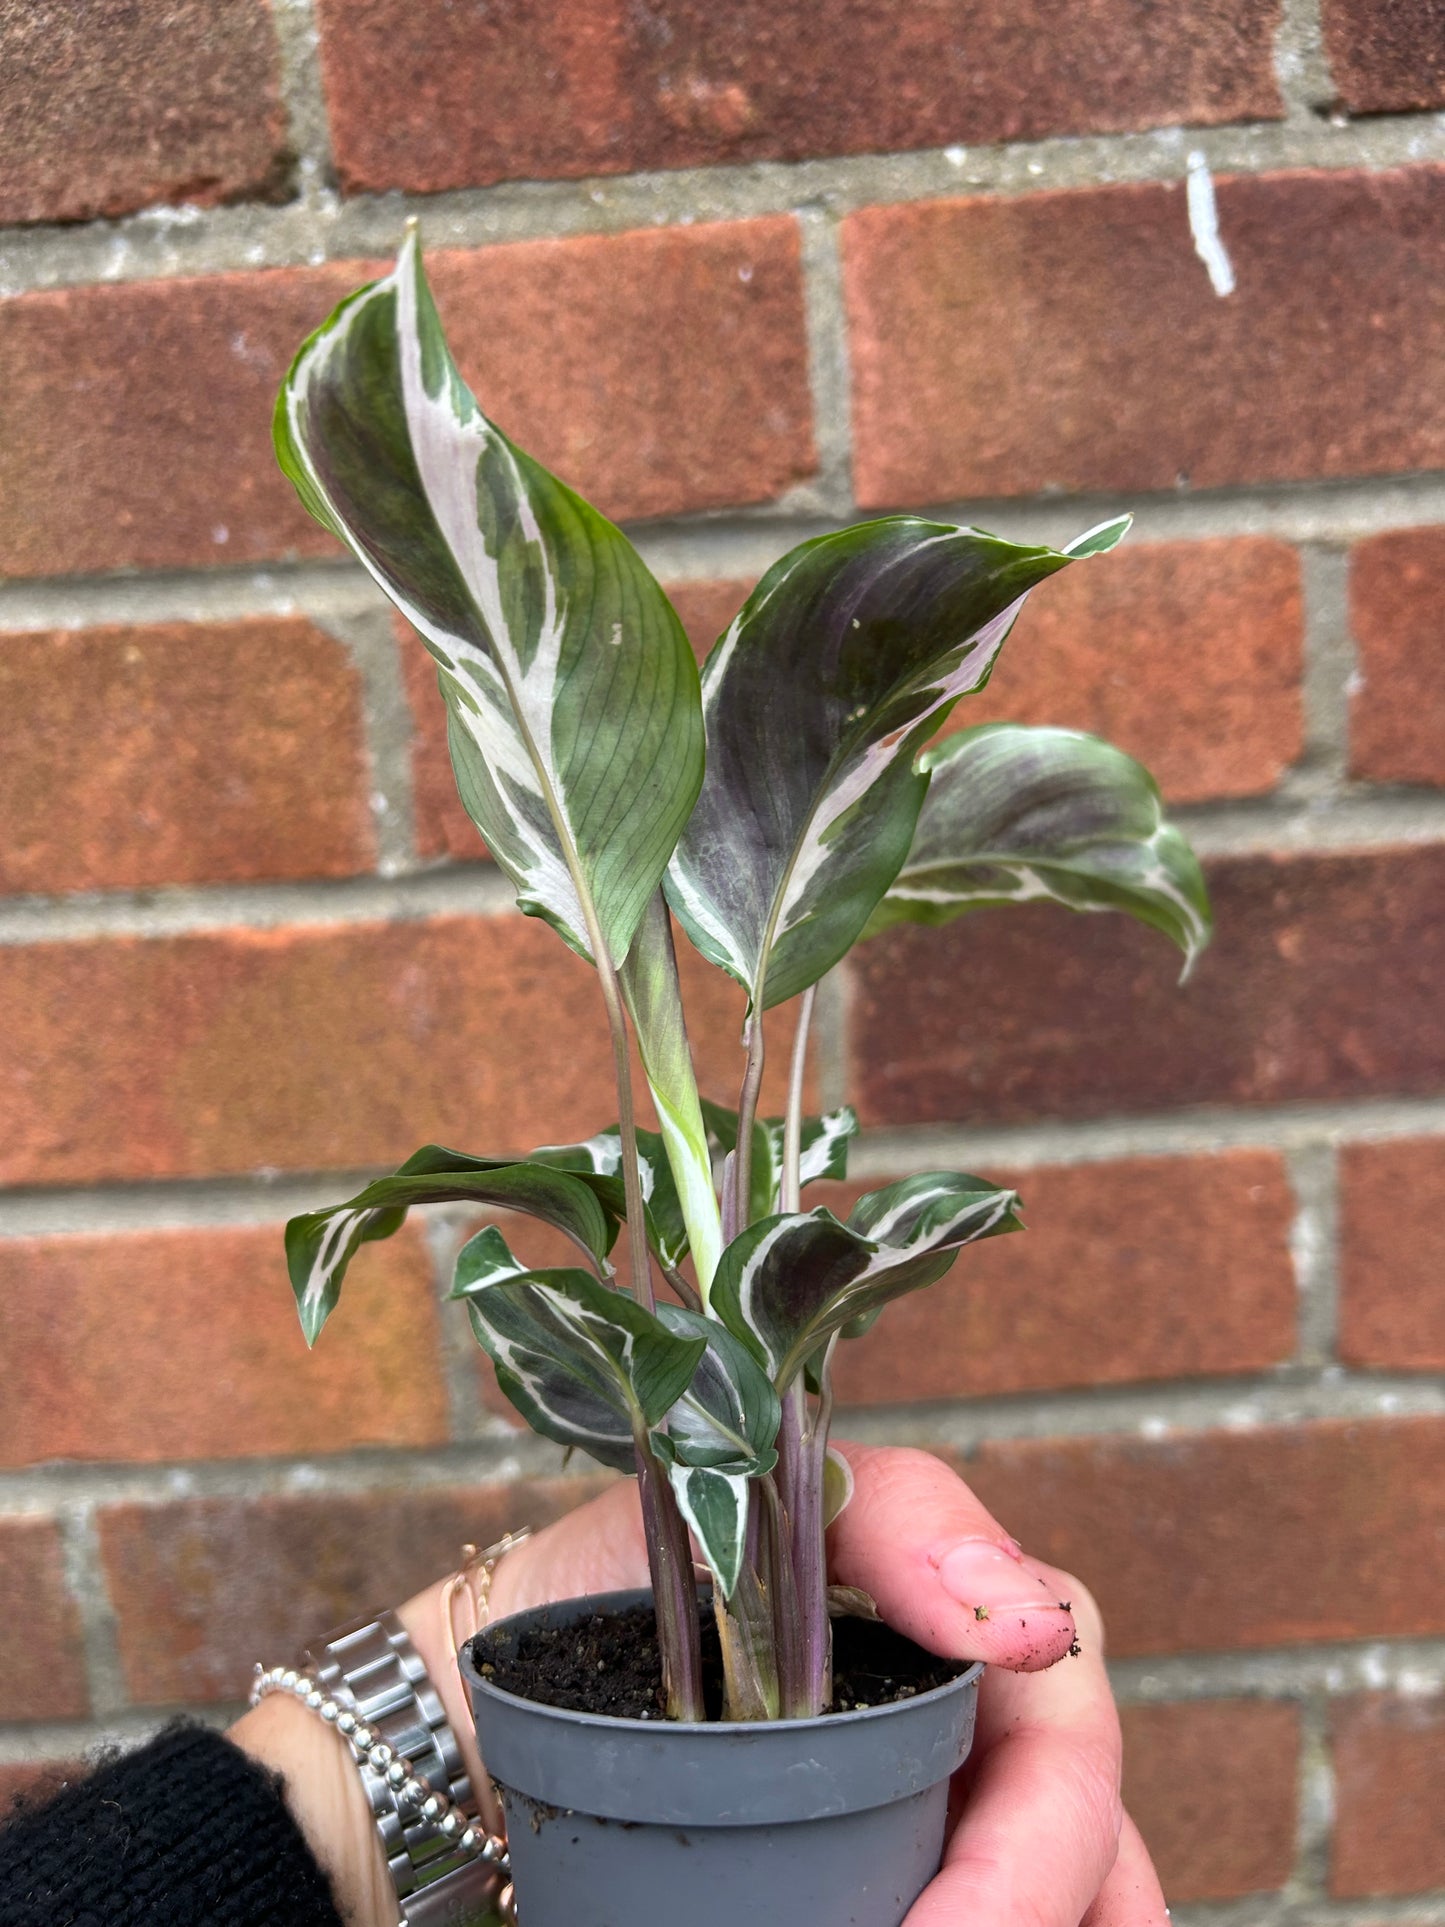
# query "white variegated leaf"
(715, 1507)
(583, 1363)
(1019, 815)
(728, 1416)
(787, 1283)
(824, 1149)
(571, 691)
(845, 659)
(321, 1244)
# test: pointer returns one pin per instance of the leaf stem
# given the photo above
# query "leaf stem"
(674, 1590)
(802, 1449)
(747, 1115)
(793, 1124)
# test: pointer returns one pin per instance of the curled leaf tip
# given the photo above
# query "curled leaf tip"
(1101, 538)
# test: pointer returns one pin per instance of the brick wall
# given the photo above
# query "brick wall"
(741, 273)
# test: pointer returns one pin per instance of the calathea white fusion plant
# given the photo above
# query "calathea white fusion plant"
(782, 811)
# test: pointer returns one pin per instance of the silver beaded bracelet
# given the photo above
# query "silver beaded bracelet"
(413, 1796)
(369, 1682)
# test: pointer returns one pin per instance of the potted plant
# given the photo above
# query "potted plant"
(784, 809)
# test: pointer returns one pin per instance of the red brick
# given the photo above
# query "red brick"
(658, 371)
(1186, 654)
(1323, 982)
(1397, 706)
(181, 753)
(208, 1360)
(111, 107)
(1386, 60)
(1392, 1255)
(1138, 1269)
(1217, 1541)
(319, 1048)
(1002, 346)
(32, 1782)
(204, 1588)
(42, 1660)
(1389, 1758)
(433, 96)
(1211, 1785)
(443, 827)
(706, 609)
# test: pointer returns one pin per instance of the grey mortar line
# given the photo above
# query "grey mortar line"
(299, 41)
(1314, 1250)
(167, 241)
(1362, 822)
(1314, 1819)
(58, 1742)
(475, 889)
(1171, 1411)
(827, 363)
(1300, 66)
(269, 1196)
(1329, 669)
(743, 544)
(86, 1584)
(498, 1458)
(1333, 1669)
(892, 1153)
(370, 639)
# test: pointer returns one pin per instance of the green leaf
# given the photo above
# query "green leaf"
(321, 1244)
(597, 1162)
(571, 691)
(787, 1283)
(845, 659)
(583, 1363)
(729, 1415)
(715, 1507)
(654, 1001)
(824, 1150)
(1016, 815)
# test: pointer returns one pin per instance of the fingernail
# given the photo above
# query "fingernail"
(982, 1574)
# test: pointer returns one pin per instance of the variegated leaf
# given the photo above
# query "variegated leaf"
(584, 1363)
(728, 1416)
(597, 1161)
(715, 1506)
(321, 1244)
(842, 663)
(1016, 815)
(790, 1281)
(571, 690)
(824, 1149)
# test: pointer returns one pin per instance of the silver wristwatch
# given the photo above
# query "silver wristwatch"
(371, 1667)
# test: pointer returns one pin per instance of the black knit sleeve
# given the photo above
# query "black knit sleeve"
(183, 1832)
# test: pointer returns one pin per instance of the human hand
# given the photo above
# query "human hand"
(1037, 1832)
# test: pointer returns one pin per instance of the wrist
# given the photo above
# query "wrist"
(326, 1799)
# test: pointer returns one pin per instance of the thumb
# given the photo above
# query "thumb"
(941, 1568)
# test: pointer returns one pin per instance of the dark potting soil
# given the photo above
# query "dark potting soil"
(610, 1664)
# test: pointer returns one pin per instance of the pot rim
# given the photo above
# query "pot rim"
(612, 1722)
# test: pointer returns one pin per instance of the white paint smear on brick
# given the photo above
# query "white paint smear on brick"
(1204, 226)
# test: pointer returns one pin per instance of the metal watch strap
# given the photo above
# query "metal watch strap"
(372, 1666)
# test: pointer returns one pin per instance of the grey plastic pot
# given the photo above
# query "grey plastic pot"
(834, 1822)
